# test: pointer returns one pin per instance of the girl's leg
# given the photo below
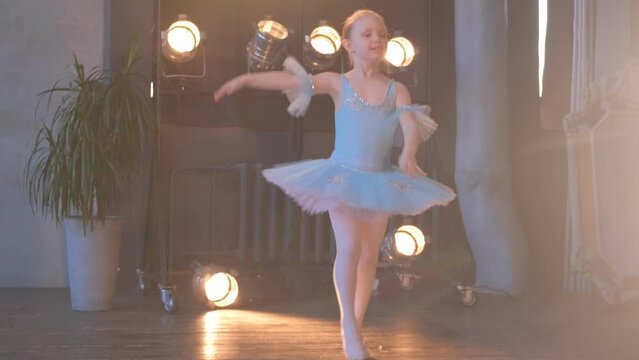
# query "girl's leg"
(348, 243)
(372, 237)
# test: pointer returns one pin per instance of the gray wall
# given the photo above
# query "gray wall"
(36, 43)
(615, 36)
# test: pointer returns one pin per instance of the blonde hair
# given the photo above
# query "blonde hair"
(358, 14)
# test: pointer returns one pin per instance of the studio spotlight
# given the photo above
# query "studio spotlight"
(180, 41)
(403, 245)
(217, 287)
(321, 47)
(268, 48)
(400, 247)
(400, 52)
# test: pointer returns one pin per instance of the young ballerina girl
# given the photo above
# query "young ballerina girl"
(357, 185)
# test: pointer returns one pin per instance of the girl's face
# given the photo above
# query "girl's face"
(367, 40)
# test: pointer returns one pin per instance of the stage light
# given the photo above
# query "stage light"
(321, 47)
(268, 48)
(400, 247)
(221, 289)
(409, 240)
(403, 244)
(400, 52)
(181, 40)
(214, 285)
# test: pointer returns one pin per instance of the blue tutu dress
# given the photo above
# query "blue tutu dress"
(359, 175)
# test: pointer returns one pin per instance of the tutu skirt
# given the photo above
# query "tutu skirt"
(324, 184)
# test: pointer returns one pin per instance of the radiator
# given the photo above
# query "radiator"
(230, 213)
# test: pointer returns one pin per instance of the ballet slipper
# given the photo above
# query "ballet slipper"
(353, 346)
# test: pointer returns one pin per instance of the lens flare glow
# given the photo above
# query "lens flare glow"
(221, 289)
(210, 340)
(325, 40)
(183, 36)
(273, 29)
(400, 52)
(409, 240)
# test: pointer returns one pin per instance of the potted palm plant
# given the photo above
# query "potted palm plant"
(95, 128)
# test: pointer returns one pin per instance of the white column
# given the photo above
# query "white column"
(482, 168)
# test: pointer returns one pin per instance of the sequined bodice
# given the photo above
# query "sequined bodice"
(364, 132)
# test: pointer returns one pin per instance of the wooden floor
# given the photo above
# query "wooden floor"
(423, 324)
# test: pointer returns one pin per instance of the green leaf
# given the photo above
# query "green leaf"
(93, 131)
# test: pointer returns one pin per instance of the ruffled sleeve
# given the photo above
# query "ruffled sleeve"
(300, 97)
(425, 124)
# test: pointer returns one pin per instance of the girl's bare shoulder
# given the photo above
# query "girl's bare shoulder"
(403, 95)
(326, 83)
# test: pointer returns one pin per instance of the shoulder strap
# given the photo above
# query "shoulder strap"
(392, 91)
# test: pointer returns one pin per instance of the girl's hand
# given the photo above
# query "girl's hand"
(229, 88)
(408, 164)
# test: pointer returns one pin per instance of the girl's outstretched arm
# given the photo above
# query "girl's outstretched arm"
(407, 159)
(323, 83)
(271, 80)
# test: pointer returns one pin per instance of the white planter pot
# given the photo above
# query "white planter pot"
(92, 263)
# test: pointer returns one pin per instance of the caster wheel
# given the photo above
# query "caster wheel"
(406, 281)
(144, 283)
(168, 294)
(468, 295)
